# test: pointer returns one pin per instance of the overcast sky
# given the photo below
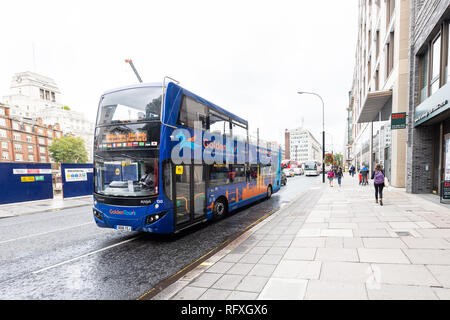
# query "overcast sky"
(249, 57)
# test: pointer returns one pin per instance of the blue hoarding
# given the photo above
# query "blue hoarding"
(21, 182)
(77, 179)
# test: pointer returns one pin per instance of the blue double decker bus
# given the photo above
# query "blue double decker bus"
(166, 159)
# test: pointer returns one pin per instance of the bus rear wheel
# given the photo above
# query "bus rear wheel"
(269, 192)
(219, 209)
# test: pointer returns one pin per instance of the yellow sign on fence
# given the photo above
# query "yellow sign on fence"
(27, 179)
(179, 170)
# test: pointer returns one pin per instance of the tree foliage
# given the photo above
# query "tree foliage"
(68, 149)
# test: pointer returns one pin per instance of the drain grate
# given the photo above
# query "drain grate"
(403, 233)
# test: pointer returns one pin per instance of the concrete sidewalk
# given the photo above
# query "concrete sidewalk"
(39, 206)
(333, 243)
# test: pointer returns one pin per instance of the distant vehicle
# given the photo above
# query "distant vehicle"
(311, 168)
(289, 172)
(297, 169)
(283, 178)
(288, 164)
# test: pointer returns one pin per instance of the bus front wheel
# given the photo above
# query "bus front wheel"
(219, 209)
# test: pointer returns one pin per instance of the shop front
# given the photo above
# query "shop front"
(432, 120)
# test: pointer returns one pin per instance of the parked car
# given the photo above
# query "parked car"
(289, 172)
(283, 178)
(298, 171)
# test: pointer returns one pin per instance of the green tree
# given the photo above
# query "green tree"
(68, 149)
(339, 158)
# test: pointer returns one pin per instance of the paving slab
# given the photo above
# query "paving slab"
(328, 290)
(401, 292)
(382, 255)
(283, 289)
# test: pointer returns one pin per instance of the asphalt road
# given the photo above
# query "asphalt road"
(64, 255)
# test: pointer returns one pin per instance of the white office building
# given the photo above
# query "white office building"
(35, 96)
(301, 146)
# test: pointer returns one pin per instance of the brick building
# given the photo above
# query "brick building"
(428, 143)
(23, 140)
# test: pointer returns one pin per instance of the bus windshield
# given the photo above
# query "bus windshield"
(310, 166)
(134, 174)
(130, 105)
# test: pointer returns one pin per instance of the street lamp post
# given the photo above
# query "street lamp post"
(323, 131)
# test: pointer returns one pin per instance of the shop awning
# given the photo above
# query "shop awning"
(376, 102)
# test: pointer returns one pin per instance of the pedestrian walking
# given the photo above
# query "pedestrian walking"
(331, 177)
(352, 171)
(339, 176)
(378, 182)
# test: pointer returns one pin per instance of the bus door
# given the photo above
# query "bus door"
(190, 190)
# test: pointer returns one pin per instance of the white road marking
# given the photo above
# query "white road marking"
(84, 255)
(44, 233)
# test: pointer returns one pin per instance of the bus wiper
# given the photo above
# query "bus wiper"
(127, 156)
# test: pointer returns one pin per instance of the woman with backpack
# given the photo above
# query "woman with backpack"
(378, 182)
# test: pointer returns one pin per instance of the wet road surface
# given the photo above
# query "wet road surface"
(64, 255)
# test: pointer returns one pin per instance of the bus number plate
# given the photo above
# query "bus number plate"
(123, 228)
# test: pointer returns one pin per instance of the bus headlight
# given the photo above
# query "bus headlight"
(97, 214)
(154, 217)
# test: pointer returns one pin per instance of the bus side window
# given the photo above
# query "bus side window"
(218, 175)
(252, 172)
(238, 173)
(190, 112)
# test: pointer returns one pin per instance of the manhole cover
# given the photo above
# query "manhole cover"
(403, 233)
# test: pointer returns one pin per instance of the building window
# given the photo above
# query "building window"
(18, 147)
(377, 80)
(435, 65)
(2, 122)
(16, 126)
(42, 150)
(447, 75)
(27, 128)
(4, 145)
(53, 97)
(29, 139)
(377, 44)
(423, 67)
(30, 149)
(19, 157)
(41, 91)
(2, 112)
(17, 136)
(5, 155)
(30, 158)
(2, 133)
(390, 8)
(43, 159)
